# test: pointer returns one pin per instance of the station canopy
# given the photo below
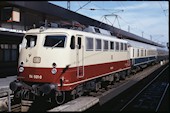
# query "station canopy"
(54, 10)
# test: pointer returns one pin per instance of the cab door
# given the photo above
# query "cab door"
(79, 56)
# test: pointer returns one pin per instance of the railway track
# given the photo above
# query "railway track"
(151, 96)
(146, 95)
(28, 106)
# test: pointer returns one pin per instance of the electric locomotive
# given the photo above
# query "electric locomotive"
(54, 62)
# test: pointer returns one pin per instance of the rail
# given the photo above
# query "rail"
(125, 106)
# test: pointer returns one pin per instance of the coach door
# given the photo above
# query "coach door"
(79, 56)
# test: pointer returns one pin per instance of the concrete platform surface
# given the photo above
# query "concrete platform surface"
(4, 85)
(5, 81)
(79, 104)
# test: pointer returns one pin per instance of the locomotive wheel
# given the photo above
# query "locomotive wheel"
(117, 77)
(128, 72)
(122, 77)
(73, 94)
(17, 97)
(97, 86)
(60, 97)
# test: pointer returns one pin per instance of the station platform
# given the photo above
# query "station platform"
(79, 104)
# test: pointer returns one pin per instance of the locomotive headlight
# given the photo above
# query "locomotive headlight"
(21, 69)
(54, 71)
(36, 59)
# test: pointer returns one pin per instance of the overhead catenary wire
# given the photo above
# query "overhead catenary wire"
(123, 19)
(136, 28)
(107, 20)
(130, 25)
(83, 6)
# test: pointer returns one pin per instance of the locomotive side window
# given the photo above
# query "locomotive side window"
(105, 43)
(55, 41)
(98, 44)
(72, 44)
(31, 40)
(111, 45)
(89, 44)
(121, 46)
(117, 46)
(125, 46)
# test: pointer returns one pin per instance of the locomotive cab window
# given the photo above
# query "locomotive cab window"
(55, 41)
(29, 41)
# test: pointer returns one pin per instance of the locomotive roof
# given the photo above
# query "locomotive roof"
(71, 31)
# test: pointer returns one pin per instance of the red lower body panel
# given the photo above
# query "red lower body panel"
(72, 76)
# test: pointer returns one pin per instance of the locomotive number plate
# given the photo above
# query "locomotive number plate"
(35, 76)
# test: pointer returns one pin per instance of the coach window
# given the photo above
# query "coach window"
(111, 45)
(55, 41)
(89, 44)
(141, 52)
(30, 40)
(98, 45)
(145, 52)
(138, 53)
(133, 53)
(105, 45)
(72, 44)
(117, 46)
